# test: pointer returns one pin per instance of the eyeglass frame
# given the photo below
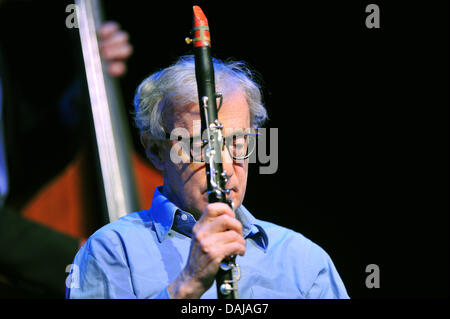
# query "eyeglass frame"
(205, 142)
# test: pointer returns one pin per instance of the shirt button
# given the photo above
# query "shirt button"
(184, 217)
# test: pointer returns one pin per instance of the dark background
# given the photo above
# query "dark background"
(362, 117)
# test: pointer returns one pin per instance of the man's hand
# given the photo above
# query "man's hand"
(114, 47)
(215, 236)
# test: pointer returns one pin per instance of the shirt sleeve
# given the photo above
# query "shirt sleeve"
(101, 271)
(327, 284)
(164, 294)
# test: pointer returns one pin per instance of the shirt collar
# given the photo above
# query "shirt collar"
(163, 213)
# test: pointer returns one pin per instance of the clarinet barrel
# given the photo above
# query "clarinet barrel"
(228, 274)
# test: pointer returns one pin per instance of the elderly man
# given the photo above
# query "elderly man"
(173, 250)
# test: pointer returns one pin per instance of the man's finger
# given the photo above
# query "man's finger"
(223, 238)
(223, 223)
(117, 53)
(118, 38)
(117, 68)
(216, 209)
(108, 28)
(232, 248)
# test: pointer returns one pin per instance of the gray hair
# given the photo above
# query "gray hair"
(176, 86)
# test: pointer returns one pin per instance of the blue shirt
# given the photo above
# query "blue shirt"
(140, 254)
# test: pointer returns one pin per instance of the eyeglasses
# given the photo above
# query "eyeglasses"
(239, 145)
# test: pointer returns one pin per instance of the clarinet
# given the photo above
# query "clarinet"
(228, 273)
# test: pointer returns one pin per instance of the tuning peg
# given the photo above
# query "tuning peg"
(188, 40)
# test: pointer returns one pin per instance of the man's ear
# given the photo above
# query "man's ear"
(153, 150)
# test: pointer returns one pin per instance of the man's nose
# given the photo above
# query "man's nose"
(227, 163)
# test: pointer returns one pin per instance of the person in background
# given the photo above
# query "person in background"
(44, 108)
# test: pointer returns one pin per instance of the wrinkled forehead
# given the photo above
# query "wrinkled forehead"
(234, 114)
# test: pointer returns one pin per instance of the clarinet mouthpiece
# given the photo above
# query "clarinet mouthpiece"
(201, 29)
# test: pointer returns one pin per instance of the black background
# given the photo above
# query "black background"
(362, 117)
